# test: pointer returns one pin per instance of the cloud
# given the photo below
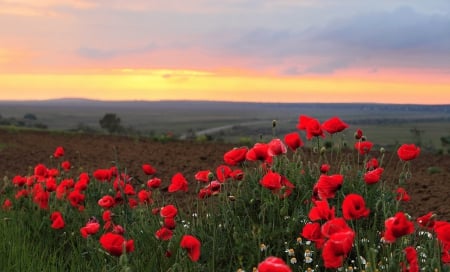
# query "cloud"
(398, 38)
(104, 54)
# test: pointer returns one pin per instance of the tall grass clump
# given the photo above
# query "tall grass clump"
(282, 205)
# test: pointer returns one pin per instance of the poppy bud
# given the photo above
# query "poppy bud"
(274, 123)
(382, 150)
(363, 138)
(210, 176)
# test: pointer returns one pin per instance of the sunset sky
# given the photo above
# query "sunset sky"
(384, 51)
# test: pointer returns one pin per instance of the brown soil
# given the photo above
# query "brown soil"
(21, 151)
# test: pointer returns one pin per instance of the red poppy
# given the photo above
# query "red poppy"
(129, 189)
(337, 247)
(107, 215)
(66, 165)
(271, 181)
(333, 226)
(235, 156)
(259, 152)
(427, 220)
(373, 176)
(411, 258)
(59, 152)
(273, 264)
(41, 198)
(354, 207)
(363, 147)
(223, 172)
(402, 195)
(57, 220)
(293, 140)
(397, 226)
(40, 171)
(276, 147)
(211, 189)
(164, 234)
(442, 229)
(168, 211)
(303, 121)
(76, 198)
(106, 202)
(19, 181)
(334, 125)
(116, 243)
(312, 232)
(327, 186)
(81, 184)
(179, 183)
(358, 134)
(237, 174)
(148, 169)
(324, 168)
(204, 176)
(103, 174)
(192, 246)
(7, 204)
(145, 196)
(169, 222)
(321, 211)
(407, 152)
(50, 184)
(89, 229)
(314, 129)
(154, 183)
(372, 164)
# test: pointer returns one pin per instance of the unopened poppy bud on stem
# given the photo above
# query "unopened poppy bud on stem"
(274, 123)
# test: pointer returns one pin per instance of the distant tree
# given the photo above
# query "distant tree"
(30, 116)
(111, 123)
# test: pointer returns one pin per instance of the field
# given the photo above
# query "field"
(259, 222)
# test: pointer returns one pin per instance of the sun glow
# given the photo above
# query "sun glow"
(162, 84)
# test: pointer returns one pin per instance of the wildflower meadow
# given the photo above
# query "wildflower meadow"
(293, 203)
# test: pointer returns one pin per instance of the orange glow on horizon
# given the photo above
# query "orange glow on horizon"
(167, 84)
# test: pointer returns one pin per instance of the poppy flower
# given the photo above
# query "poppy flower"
(75, 198)
(7, 204)
(237, 174)
(354, 207)
(106, 202)
(427, 220)
(333, 226)
(57, 220)
(19, 181)
(334, 125)
(179, 183)
(397, 226)
(50, 184)
(107, 215)
(204, 176)
(372, 164)
(314, 129)
(59, 152)
(293, 140)
(271, 180)
(116, 243)
(148, 169)
(373, 176)
(145, 196)
(235, 156)
(324, 168)
(327, 186)
(192, 245)
(363, 147)
(40, 170)
(81, 184)
(154, 183)
(358, 134)
(312, 232)
(273, 264)
(337, 247)
(41, 199)
(168, 211)
(102, 174)
(211, 189)
(259, 152)
(164, 234)
(412, 260)
(89, 229)
(276, 147)
(303, 121)
(402, 195)
(321, 211)
(223, 172)
(407, 152)
(66, 165)
(169, 222)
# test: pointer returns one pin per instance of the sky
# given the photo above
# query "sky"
(383, 51)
